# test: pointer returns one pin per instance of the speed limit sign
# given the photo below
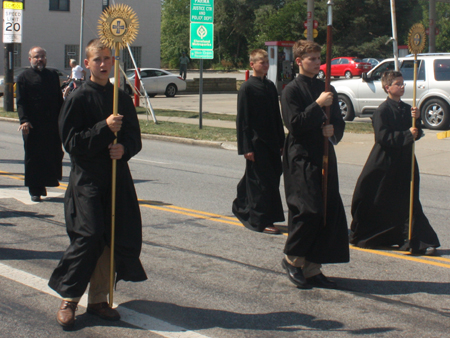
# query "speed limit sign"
(12, 21)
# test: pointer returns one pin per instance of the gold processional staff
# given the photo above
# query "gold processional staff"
(117, 27)
(416, 44)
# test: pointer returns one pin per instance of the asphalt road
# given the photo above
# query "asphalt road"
(209, 276)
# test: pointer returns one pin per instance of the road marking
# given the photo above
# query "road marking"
(431, 260)
(132, 317)
(148, 161)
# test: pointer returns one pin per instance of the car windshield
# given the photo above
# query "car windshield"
(129, 73)
(357, 60)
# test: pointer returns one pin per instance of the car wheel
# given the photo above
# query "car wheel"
(348, 74)
(128, 90)
(347, 111)
(321, 74)
(436, 114)
(171, 90)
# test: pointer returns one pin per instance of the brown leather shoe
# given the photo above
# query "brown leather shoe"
(66, 313)
(104, 311)
(272, 230)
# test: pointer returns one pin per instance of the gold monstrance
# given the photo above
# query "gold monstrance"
(117, 27)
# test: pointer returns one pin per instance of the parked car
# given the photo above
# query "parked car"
(372, 61)
(62, 77)
(156, 81)
(360, 97)
(345, 66)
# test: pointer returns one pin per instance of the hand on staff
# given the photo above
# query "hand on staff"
(250, 156)
(414, 132)
(25, 127)
(114, 122)
(328, 130)
(325, 99)
(116, 151)
(415, 112)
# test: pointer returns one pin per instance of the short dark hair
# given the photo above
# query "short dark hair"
(302, 47)
(388, 78)
(95, 44)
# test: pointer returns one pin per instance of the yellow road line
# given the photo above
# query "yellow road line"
(407, 257)
(430, 260)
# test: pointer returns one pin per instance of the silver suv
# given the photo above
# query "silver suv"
(360, 97)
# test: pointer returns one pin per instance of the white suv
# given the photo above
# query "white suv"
(360, 97)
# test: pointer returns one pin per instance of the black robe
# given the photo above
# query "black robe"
(302, 167)
(380, 206)
(39, 100)
(87, 203)
(259, 130)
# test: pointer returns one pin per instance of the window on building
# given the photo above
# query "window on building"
(60, 5)
(17, 55)
(127, 61)
(71, 52)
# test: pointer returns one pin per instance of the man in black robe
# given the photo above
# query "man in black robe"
(39, 100)
(260, 136)
(380, 206)
(311, 241)
(87, 129)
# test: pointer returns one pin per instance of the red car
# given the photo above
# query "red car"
(345, 66)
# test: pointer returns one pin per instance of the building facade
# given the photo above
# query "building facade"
(55, 26)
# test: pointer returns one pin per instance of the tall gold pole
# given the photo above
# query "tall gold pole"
(114, 175)
(118, 27)
(411, 195)
(416, 43)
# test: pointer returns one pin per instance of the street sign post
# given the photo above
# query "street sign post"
(12, 33)
(202, 37)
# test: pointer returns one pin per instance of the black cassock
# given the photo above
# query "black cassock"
(87, 203)
(380, 206)
(39, 101)
(259, 130)
(302, 167)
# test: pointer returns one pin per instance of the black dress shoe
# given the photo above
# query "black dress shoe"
(36, 198)
(272, 230)
(321, 281)
(295, 275)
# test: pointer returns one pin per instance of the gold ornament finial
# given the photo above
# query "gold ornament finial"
(416, 38)
(118, 24)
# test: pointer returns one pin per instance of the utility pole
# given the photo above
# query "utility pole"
(432, 27)
(394, 34)
(80, 50)
(310, 20)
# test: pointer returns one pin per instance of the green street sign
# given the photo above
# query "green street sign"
(202, 11)
(202, 35)
(202, 54)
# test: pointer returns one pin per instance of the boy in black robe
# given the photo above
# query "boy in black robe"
(260, 136)
(380, 206)
(87, 129)
(311, 241)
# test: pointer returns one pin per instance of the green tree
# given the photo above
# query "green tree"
(175, 19)
(278, 24)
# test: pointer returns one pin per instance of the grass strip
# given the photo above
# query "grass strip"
(206, 133)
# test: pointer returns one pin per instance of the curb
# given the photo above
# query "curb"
(182, 140)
